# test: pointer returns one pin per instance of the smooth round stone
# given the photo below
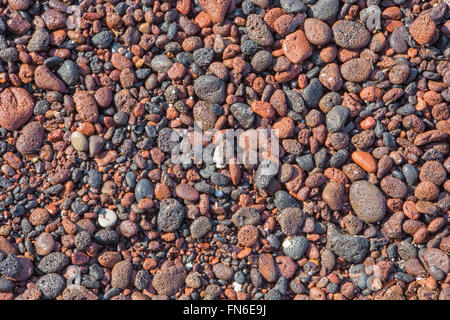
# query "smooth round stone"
(161, 63)
(144, 189)
(79, 141)
(107, 218)
(367, 201)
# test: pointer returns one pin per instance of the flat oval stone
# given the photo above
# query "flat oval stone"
(186, 192)
(31, 138)
(356, 70)
(144, 189)
(367, 201)
(350, 34)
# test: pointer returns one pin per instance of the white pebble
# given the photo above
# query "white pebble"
(107, 218)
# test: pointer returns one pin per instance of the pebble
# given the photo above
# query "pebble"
(16, 107)
(210, 89)
(31, 138)
(423, 29)
(433, 171)
(261, 61)
(267, 267)
(69, 72)
(293, 6)
(243, 114)
(437, 258)
(398, 39)
(394, 187)
(258, 31)
(265, 174)
(336, 118)
(169, 281)
(121, 274)
(325, 10)
(248, 235)
(79, 141)
(317, 32)
(170, 216)
(10, 266)
(351, 248)
(161, 63)
(47, 80)
(51, 285)
(103, 39)
(295, 247)
(53, 262)
(106, 237)
(330, 77)
(333, 195)
(223, 272)
(39, 216)
(296, 47)
(200, 227)
(6, 285)
(365, 160)
(144, 189)
(312, 93)
(19, 4)
(367, 201)
(356, 70)
(96, 144)
(216, 9)
(245, 216)
(399, 73)
(350, 34)
(426, 190)
(291, 220)
(44, 244)
(40, 40)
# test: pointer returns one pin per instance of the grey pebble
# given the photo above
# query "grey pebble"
(170, 216)
(10, 266)
(51, 285)
(295, 247)
(144, 189)
(210, 89)
(103, 39)
(69, 72)
(336, 118)
(53, 262)
(243, 114)
(351, 248)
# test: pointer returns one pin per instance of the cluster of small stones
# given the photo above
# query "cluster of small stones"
(357, 89)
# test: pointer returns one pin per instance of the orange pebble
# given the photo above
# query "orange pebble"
(365, 160)
(244, 253)
(367, 123)
(87, 129)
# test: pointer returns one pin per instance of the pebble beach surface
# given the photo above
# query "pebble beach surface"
(93, 207)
